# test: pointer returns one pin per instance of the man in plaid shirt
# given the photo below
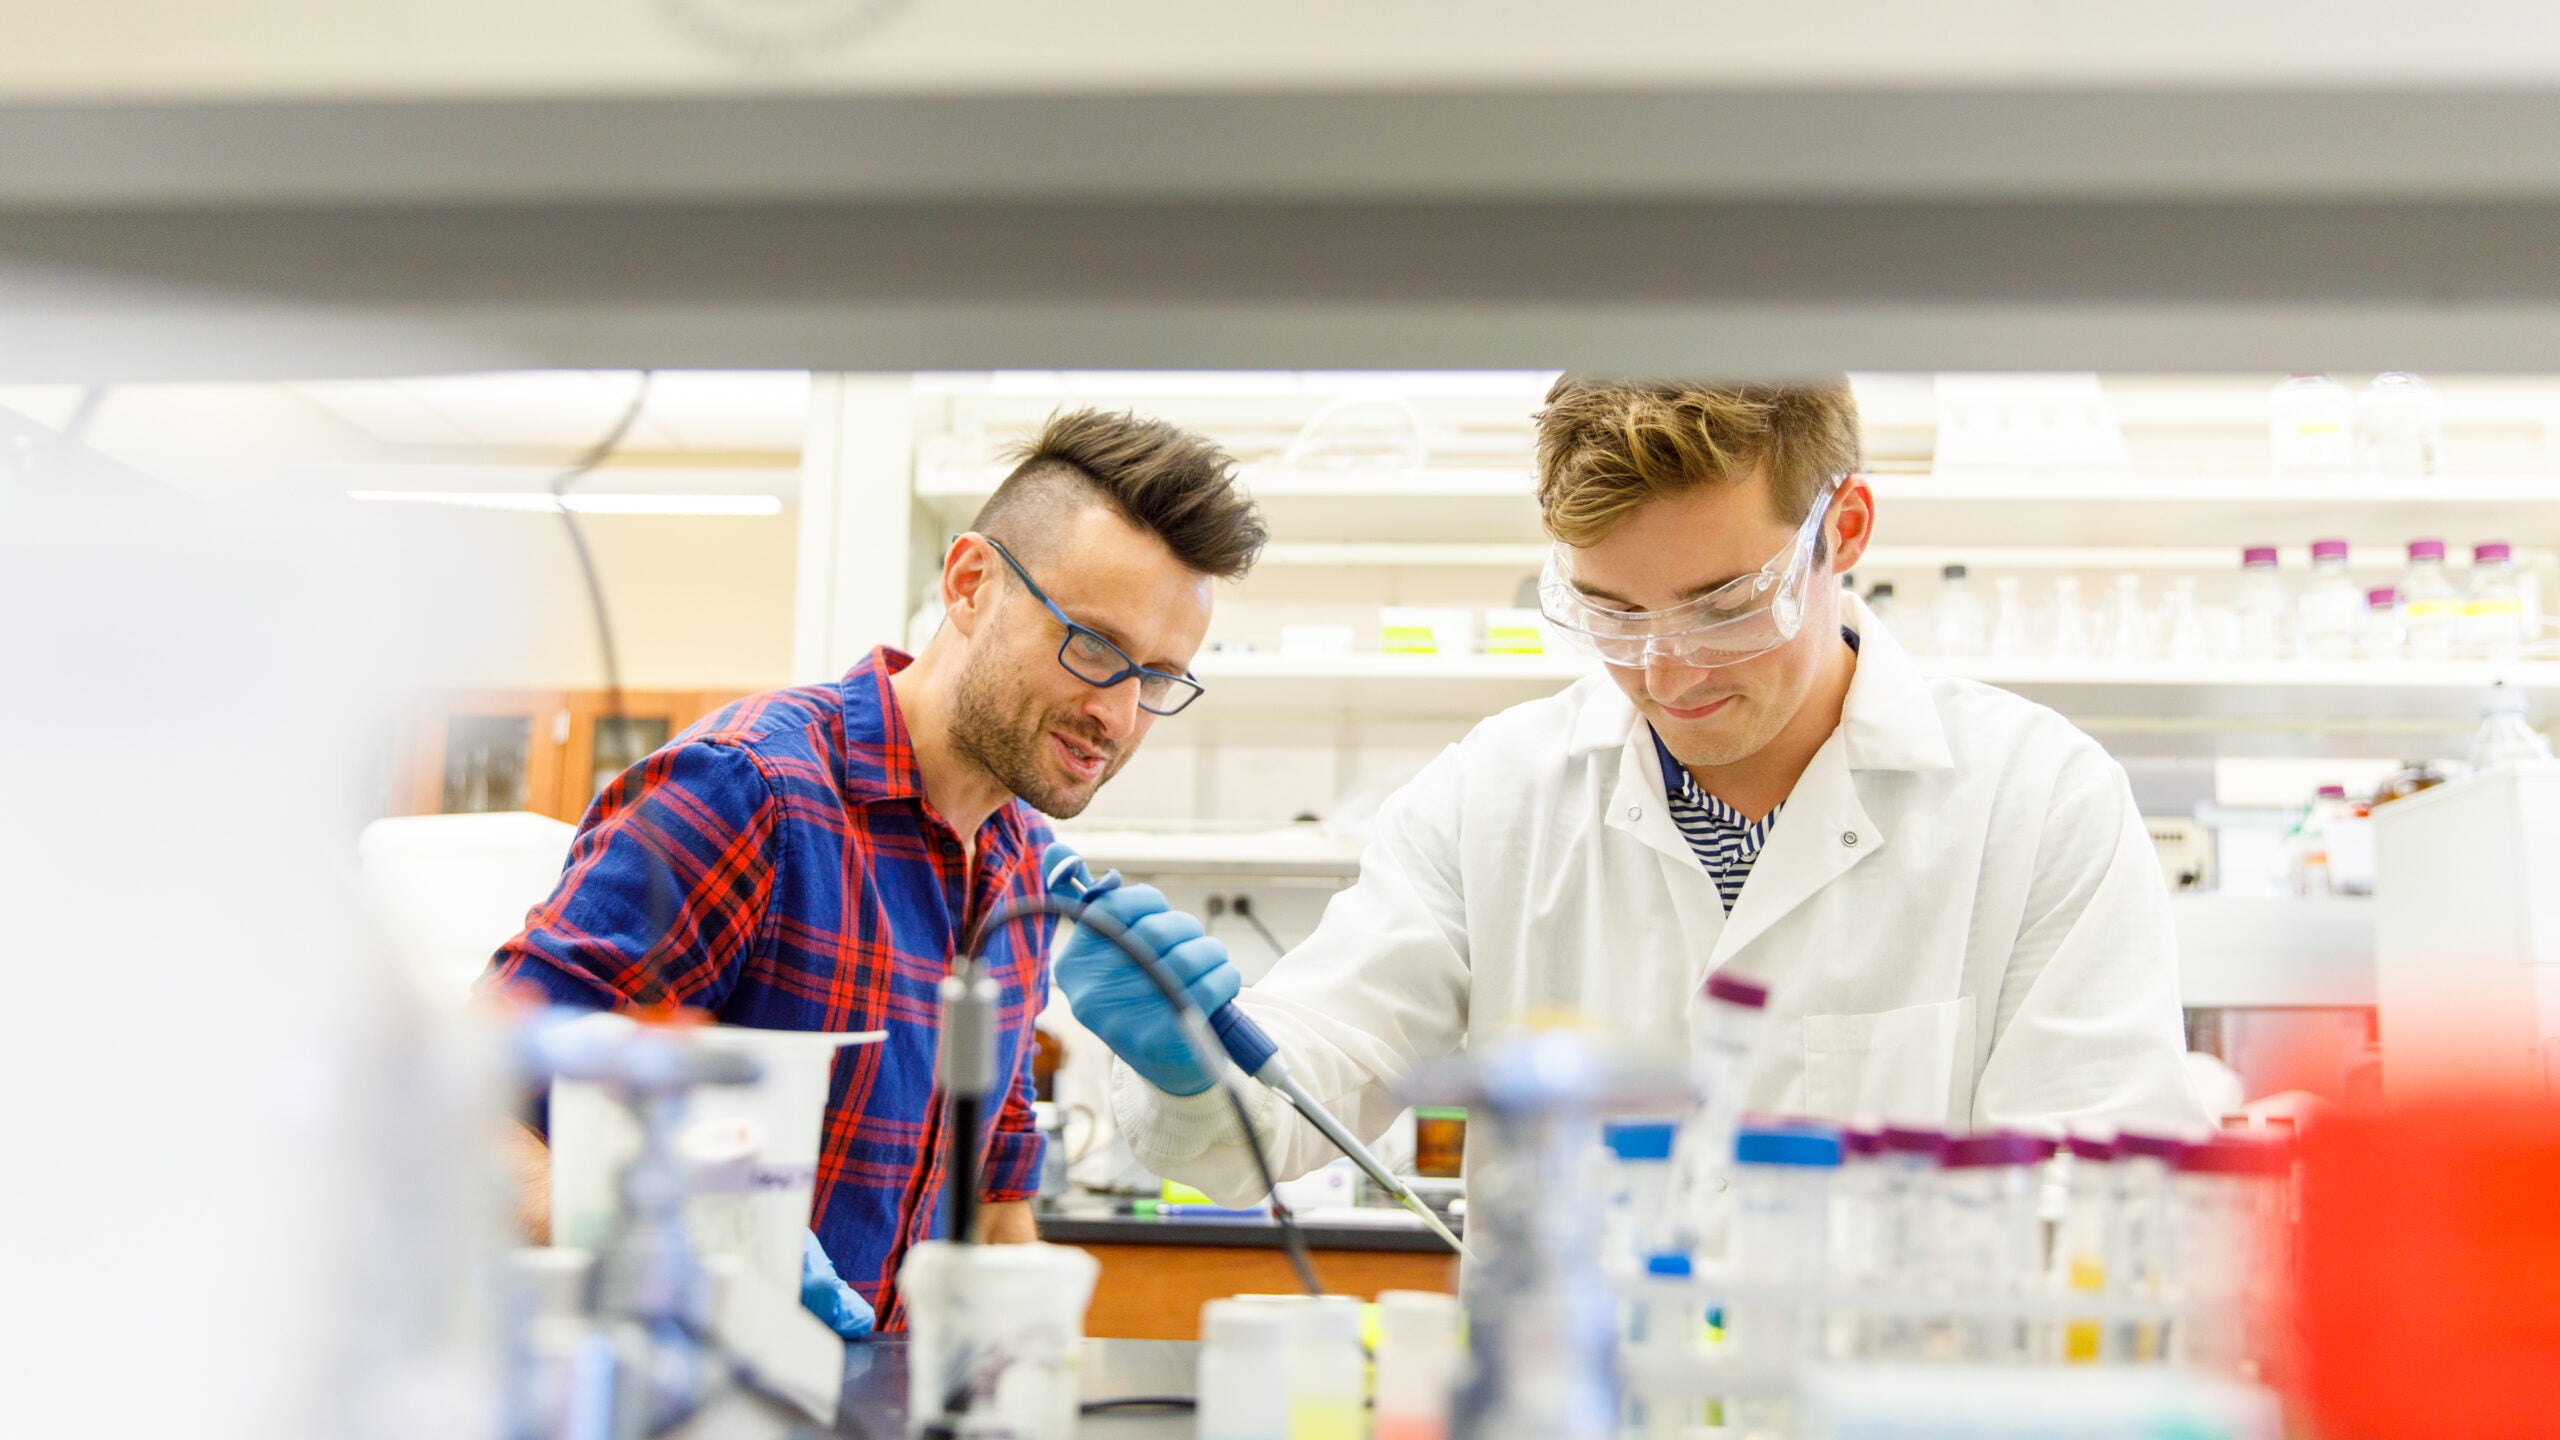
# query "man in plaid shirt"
(812, 858)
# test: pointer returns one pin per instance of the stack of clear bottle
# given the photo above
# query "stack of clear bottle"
(2424, 615)
(1906, 1245)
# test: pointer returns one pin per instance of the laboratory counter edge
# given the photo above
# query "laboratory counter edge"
(874, 1401)
(1157, 1271)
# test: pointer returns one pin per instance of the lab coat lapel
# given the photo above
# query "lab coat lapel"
(1638, 806)
(1821, 834)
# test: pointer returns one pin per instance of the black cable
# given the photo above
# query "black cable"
(1112, 930)
(586, 464)
(1139, 1402)
(1244, 907)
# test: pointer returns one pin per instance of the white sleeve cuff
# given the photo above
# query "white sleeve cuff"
(1193, 1138)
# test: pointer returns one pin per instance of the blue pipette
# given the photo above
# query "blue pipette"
(1255, 1055)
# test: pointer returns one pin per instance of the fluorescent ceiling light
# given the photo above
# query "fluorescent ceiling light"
(595, 503)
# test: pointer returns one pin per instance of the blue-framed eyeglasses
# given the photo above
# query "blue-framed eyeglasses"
(1089, 657)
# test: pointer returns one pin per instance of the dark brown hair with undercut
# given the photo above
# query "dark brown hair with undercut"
(1159, 477)
(1606, 447)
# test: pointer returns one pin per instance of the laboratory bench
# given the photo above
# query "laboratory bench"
(1157, 1271)
(874, 1406)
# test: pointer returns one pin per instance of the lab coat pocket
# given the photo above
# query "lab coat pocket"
(1895, 1065)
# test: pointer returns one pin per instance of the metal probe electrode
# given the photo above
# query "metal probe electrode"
(1255, 1055)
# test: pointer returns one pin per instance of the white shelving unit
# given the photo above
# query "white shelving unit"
(2212, 707)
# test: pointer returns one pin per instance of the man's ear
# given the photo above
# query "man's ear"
(969, 581)
(1852, 523)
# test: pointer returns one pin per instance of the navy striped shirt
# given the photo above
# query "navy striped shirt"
(1722, 840)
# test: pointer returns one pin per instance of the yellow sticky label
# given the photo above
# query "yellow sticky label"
(1408, 640)
(1504, 640)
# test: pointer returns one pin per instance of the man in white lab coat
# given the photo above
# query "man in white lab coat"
(1947, 889)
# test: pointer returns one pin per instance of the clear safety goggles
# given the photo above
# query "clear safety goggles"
(1740, 619)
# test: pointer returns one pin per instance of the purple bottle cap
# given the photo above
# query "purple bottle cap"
(2236, 1155)
(2333, 792)
(2426, 549)
(1734, 990)
(1862, 1143)
(2328, 549)
(1912, 1140)
(2003, 1148)
(2491, 550)
(2155, 1147)
(2377, 599)
(2258, 555)
(2088, 1147)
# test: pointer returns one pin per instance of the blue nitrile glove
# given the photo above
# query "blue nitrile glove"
(830, 1299)
(1116, 1000)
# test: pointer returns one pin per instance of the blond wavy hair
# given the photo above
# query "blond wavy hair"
(1607, 447)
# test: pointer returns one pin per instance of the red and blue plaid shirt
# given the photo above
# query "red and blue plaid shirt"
(778, 866)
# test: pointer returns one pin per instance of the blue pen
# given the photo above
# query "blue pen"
(1256, 1056)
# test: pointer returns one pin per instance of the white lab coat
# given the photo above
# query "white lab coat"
(1958, 914)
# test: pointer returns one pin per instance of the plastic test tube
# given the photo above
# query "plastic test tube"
(1244, 1377)
(1418, 1364)
(2141, 1270)
(1724, 1027)
(1905, 1235)
(1662, 1329)
(1636, 1192)
(1857, 1234)
(1994, 1238)
(2225, 1197)
(1781, 1241)
(2085, 1245)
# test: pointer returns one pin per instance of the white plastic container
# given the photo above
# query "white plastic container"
(1658, 1331)
(1512, 631)
(752, 1150)
(1419, 1365)
(1959, 626)
(1244, 1373)
(2331, 611)
(1906, 1235)
(2430, 608)
(2505, 735)
(995, 1335)
(1328, 1369)
(1421, 630)
(2262, 607)
(2070, 620)
(2311, 427)
(2493, 618)
(2399, 427)
(2011, 635)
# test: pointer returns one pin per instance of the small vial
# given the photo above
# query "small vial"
(2262, 605)
(1906, 1236)
(1781, 1244)
(1660, 1329)
(1724, 1029)
(2430, 609)
(1244, 1375)
(2085, 1245)
(2386, 635)
(1857, 1235)
(2144, 1166)
(1418, 1364)
(2311, 426)
(2330, 614)
(2493, 625)
(1993, 1241)
(2224, 1201)
(1635, 1192)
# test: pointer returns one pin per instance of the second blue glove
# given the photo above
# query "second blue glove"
(1114, 999)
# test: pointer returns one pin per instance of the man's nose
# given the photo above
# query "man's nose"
(1114, 709)
(1667, 678)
